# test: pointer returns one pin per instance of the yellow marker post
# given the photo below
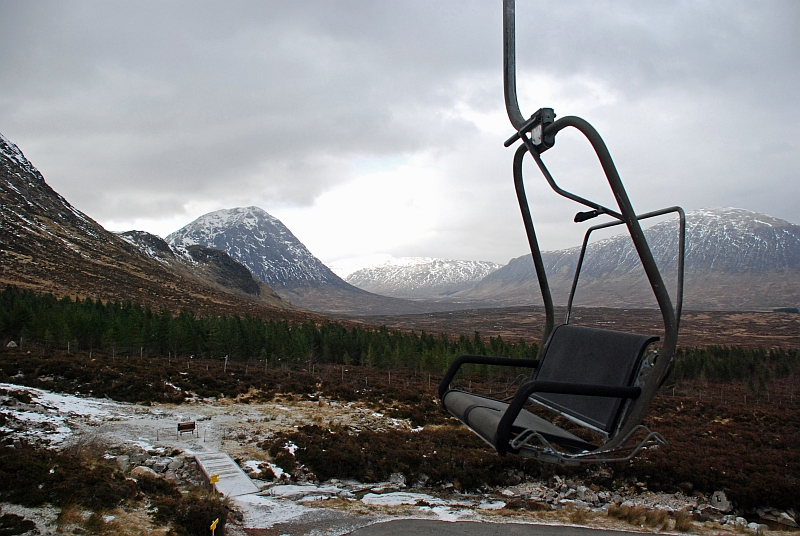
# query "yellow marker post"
(213, 479)
(213, 526)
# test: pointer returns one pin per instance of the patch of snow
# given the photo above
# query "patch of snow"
(398, 498)
(262, 512)
(253, 466)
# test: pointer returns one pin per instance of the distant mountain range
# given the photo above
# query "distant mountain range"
(415, 277)
(244, 260)
(274, 255)
(735, 259)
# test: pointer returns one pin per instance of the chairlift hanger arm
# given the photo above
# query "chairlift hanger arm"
(626, 212)
(527, 389)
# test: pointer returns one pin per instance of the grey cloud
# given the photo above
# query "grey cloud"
(138, 107)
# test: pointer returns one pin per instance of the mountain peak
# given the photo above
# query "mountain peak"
(259, 241)
(12, 159)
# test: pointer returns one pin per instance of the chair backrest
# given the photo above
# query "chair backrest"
(582, 355)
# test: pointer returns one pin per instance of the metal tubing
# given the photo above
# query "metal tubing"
(681, 255)
(444, 385)
(536, 254)
(510, 65)
(560, 191)
(504, 428)
(629, 216)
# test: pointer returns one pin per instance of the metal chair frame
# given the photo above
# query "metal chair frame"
(537, 135)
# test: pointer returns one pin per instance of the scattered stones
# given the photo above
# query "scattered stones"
(784, 518)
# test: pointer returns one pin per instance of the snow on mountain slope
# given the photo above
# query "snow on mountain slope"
(259, 241)
(734, 258)
(415, 277)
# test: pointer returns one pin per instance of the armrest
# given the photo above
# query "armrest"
(503, 434)
(481, 360)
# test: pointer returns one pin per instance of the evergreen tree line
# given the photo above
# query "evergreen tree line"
(128, 328)
(734, 363)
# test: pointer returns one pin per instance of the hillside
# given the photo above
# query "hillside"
(735, 259)
(48, 245)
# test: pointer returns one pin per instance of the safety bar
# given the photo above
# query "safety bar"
(504, 428)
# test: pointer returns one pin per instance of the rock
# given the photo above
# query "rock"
(161, 465)
(123, 462)
(421, 481)
(137, 457)
(720, 502)
(777, 516)
(758, 528)
(143, 472)
(709, 513)
(175, 464)
(786, 519)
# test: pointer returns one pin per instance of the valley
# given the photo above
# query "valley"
(748, 329)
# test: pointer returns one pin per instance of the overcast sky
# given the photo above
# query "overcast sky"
(378, 126)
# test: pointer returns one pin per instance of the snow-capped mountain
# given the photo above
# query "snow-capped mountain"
(414, 277)
(735, 258)
(48, 245)
(259, 241)
(275, 256)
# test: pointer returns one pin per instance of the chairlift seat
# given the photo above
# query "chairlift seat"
(574, 359)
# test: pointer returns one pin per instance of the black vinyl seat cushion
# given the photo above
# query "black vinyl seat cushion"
(583, 355)
(482, 415)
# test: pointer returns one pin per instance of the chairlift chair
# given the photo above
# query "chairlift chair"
(601, 380)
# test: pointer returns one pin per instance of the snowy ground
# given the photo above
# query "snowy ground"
(334, 507)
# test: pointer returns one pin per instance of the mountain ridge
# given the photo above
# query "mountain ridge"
(261, 242)
(735, 258)
(418, 277)
(48, 245)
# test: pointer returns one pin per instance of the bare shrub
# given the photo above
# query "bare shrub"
(683, 520)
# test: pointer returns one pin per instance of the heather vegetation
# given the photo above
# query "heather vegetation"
(730, 414)
(82, 477)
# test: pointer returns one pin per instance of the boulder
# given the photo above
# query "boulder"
(123, 462)
(721, 502)
(143, 472)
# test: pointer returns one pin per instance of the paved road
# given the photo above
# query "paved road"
(424, 527)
